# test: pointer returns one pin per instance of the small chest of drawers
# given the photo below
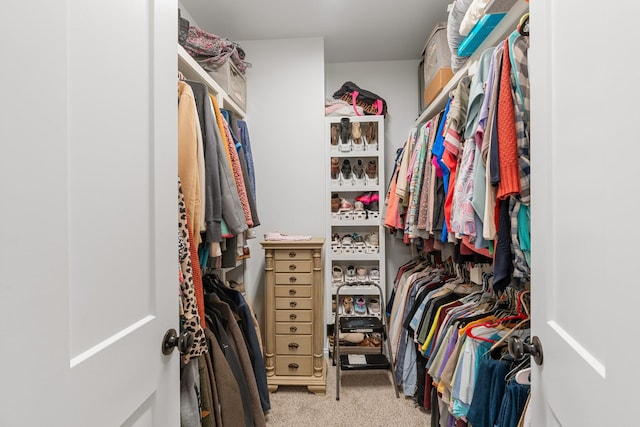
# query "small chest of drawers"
(294, 314)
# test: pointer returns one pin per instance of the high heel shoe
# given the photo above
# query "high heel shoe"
(345, 134)
(372, 171)
(335, 167)
(371, 136)
(335, 133)
(356, 137)
(373, 202)
(358, 169)
(346, 170)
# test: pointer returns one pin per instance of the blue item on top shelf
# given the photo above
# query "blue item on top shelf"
(479, 32)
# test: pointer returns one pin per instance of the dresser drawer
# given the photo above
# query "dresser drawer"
(294, 365)
(293, 315)
(293, 303)
(292, 254)
(293, 345)
(293, 278)
(299, 328)
(293, 291)
(293, 266)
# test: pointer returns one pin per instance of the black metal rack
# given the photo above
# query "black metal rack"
(365, 324)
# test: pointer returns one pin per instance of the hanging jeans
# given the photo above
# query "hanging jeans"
(513, 403)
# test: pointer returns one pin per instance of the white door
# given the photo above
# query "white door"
(88, 262)
(585, 188)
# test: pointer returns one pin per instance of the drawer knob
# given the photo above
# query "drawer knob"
(293, 316)
(292, 267)
(292, 291)
(293, 345)
(293, 304)
(293, 366)
(293, 329)
(292, 254)
(292, 279)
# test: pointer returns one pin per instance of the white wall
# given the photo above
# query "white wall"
(285, 116)
(187, 15)
(397, 83)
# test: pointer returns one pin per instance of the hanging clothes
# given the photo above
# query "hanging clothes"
(189, 143)
(190, 318)
(213, 197)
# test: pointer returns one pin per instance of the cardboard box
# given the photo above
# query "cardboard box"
(436, 53)
(439, 81)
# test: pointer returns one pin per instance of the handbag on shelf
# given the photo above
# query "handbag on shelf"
(372, 104)
(183, 29)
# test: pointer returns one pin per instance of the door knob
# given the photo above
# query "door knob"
(518, 348)
(171, 339)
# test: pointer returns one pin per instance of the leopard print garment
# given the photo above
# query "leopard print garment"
(189, 317)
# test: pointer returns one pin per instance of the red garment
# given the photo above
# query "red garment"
(471, 246)
(449, 159)
(392, 215)
(197, 277)
(507, 142)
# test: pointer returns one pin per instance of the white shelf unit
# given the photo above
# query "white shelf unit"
(191, 70)
(505, 27)
(362, 226)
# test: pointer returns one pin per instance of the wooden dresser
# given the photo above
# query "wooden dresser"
(294, 310)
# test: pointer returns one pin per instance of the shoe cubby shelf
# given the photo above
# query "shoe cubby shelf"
(355, 183)
(359, 188)
(369, 153)
(355, 257)
(356, 290)
(355, 223)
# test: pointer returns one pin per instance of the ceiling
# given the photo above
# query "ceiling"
(353, 30)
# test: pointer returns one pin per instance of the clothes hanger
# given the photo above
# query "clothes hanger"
(520, 315)
(523, 376)
(523, 25)
(525, 363)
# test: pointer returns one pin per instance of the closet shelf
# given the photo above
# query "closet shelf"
(193, 71)
(506, 26)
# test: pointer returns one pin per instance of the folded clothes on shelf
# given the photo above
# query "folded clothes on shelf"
(280, 236)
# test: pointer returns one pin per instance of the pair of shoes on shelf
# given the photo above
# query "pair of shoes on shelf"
(360, 305)
(363, 305)
(371, 136)
(346, 169)
(361, 274)
(335, 168)
(335, 133)
(374, 274)
(356, 137)
(347, 305)
(345, 206)
(337, 275)
(372, 171)
(358, 170)
(371, 243)
(358, 242)
(335, 202)
(345, 134)
(350, 275)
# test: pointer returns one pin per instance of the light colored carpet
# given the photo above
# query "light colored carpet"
(366, 399)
